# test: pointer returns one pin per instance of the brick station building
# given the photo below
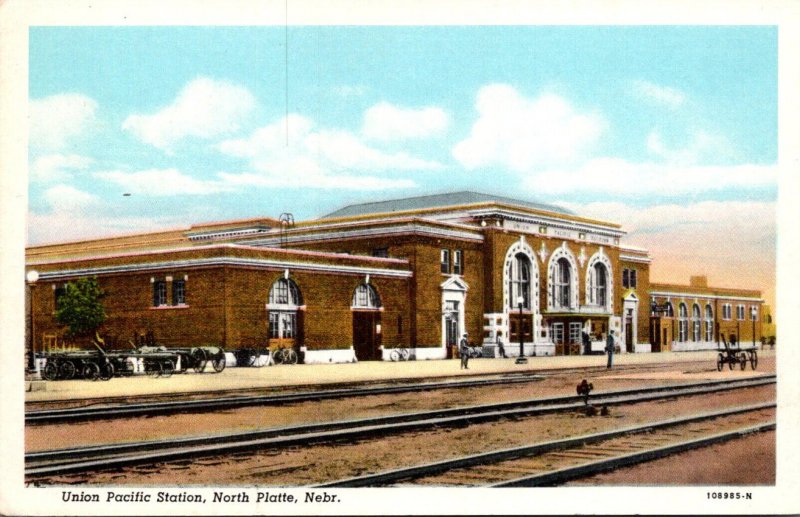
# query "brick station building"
(415, 272)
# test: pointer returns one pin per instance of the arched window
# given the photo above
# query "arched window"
(519, 278)
(695, 322)
(683, 323)
(284, 299)
(709, 323)
(670, 312)
(598, 285)
(561, 283)
(365, 297)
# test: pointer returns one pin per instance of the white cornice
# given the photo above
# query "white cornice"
(633, 258)
(369, 232)
(223, 261)
(672, 294)
(554, 222)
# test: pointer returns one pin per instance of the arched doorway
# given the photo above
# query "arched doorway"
(285, 317)
(366, 309)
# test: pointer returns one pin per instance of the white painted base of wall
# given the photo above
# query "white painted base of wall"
(642, 348)
(425, 354)
(693, 346)
(261, 360)
(545, 349)
(347, 355)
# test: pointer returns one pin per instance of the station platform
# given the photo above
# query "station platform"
(300, 375)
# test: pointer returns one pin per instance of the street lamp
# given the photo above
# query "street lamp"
(32, 277)
(521, 359)
(753, 318)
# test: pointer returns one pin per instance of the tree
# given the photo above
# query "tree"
(80, 307)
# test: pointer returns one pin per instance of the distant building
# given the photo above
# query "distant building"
(415, 272)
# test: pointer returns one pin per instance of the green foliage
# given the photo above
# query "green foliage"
(81, 307)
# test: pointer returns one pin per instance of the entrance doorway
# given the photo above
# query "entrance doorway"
(366, 335)
(451, 327)
(629, 333)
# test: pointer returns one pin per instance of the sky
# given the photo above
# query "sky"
(671, 131)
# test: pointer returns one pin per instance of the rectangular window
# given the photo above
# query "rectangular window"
(159, 293)
(445, 261)
(632, 278)
(557, 333)
(575, 332)
(754, 312)
(458, 262)
(58, 293)
(740, 312)
(179, 292)
(726, 311)
(625, 280)
(273, 325)
(380, 252)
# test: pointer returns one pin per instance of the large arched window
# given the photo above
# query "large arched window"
(695, 322)
(598, 285)
(366, 297)
(683, 323)
(561, 283)
(284, 300)
(709, 323)
(519, 278)
(670, 311)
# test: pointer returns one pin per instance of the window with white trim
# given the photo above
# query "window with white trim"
(365, 297)
(444, 261)
(726, 311)
(740, 312)
(284, 300)
(519, 279)
(709, 323)
(598, 285)
(695, 322)
(561, 283)
(683, 323)
(575, 332)
(458, 262)
(179, 292)
(159, 293)
(754, 312)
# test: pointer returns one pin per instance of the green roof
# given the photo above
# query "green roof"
(437, 201)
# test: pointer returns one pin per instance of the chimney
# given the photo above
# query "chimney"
(698, 281)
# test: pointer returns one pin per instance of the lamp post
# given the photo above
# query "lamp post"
(32, 277)
(521, 359)
(753, 318)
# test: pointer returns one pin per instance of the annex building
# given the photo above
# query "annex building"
(415, 272)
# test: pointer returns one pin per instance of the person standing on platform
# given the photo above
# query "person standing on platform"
(587, 343)
(610, 348)
(463, 349)
(501, 348)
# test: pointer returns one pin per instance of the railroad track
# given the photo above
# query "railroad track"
(107, 412)
(558, 461)
(64, 461)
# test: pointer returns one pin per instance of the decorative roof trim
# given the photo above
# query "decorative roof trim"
(634, 258)
(566, 224)
(223, 261)
(370, 232)
(672, 294)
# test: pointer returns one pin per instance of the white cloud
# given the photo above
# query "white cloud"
(733, 242)
(657, 94)
(59, 120)
(65, 198)
(615, 175)
(523, 134)
(385, 121)
(293, 149)
(161, 182)
(703, 146)
(205, 108)
(57, 167)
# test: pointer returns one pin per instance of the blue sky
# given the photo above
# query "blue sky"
(671, 131)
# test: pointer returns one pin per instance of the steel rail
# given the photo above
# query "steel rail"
(596, 467)
(61, 461)
(105, 412)
(409, 473)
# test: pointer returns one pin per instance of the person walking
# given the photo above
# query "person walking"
(501, 349)
(463, 349)
(610, 348)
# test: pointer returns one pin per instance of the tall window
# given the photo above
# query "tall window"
(179, 292)
(598, 285)
(159, 293)
(365, 297)
(683, 323)
(458, 262)
(709, 323)
(670, 312)
(695, 322)
(520, 281)
(284, 299)
(561, 283)
(726, 311)
(58, 292)
(754, 312)
(445, 261)
(628, 278)
(740, 312)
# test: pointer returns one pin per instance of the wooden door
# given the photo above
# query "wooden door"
(366, 338)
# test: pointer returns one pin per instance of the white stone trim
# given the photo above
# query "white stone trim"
(521, 246)
(563, 251)
(326, 356)
(225, 261)
(632, 258)
(367, 232)
(600, 256)
(709, 297)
